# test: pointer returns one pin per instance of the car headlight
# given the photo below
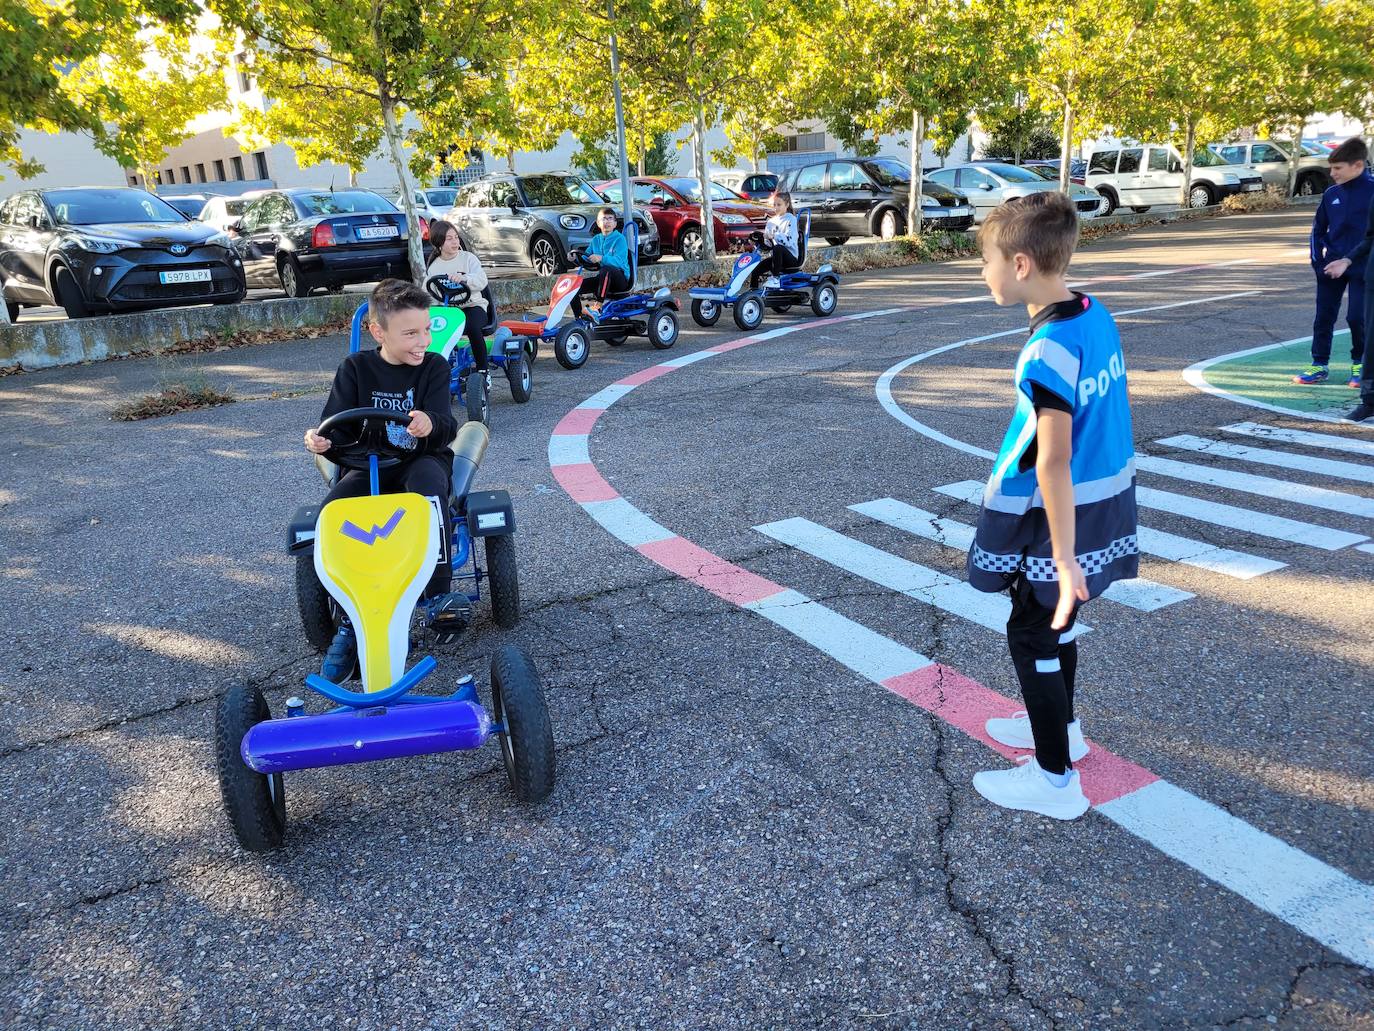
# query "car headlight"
(1231, 179)
(572, 221)
(928, 201)
(733, 220)
(220, 240)
(101, 244)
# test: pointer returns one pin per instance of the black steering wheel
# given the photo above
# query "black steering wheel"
(447, 292)
(372, 438)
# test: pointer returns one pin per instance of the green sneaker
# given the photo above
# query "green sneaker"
(1355, 372)
(1312, 374)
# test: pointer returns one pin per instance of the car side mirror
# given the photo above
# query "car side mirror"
(236, 227)
(514, 207)
(985, 186)
(658, 202)
(35, 222)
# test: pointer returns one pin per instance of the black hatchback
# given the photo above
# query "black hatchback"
(869, 197)
(299, 240)
(95, 249)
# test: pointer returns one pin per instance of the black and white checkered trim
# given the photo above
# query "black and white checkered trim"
(995, 563)
(1042, 569)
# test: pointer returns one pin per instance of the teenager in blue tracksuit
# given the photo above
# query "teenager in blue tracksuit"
(1337, 230)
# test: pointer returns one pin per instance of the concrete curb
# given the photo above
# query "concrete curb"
(40, 345)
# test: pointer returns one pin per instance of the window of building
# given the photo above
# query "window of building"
(157, 178)
(200, 173)
(171, 176)
(241, 72)
(237, 161)
(260, 164)
(219, 171)
(133, 180)
(185, 173)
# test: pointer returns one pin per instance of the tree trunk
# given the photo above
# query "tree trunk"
(415, 246)
(1295, 155)
(352, 178)
(708, 215)
(913, 196)
(1066, 145)
(1189, 145)
(510, 159)
(642, 148)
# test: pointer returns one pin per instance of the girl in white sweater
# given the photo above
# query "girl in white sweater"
(461, 266)
(779, 233)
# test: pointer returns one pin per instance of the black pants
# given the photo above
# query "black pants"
(607, 280)
(427, 475)
(475, 329)
(774, 263)
(1329, 293)
(1046, 670)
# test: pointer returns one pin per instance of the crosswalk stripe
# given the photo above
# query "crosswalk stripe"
(1279, 459)
(1262, 524)
(1350, 445)
(1141, 593)
(1160, 543)
(895, 573)
(1264, 486)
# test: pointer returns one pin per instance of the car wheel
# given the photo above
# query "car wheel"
(1200, 195)
(1111, 204)
(67, 292)
(293, 281)
(887, 225)
(836, 241)
(1309, 186)
(1140, 209)
(663, 328)
(545, 255)
(692, 244)
(705, 312)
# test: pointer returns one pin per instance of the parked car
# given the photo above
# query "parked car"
(299, 240)
(105, 249)
(753, 185)
(675, 205)
(988, 184)
(1077, 168)
(222, 212)
(431, 202)
(1144, 175)
(868, 197)
(536, 219)
(1270, 159)
(189, 204)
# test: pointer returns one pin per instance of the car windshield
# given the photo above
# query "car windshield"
(342, 202)
(888, 171)
(1204, 158)
(188, 206)
(1312, 150)
(92, 207)
(1012, 173)
(441, 198)
(1045, 172)
(549, 191)
(691, 189)
(236, 207)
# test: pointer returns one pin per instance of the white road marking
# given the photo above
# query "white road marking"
(1350, 445)
(1262, 524)
(1194, 376)
(1279, 459)
(1264, 486)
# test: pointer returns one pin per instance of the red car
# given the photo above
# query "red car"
(675, 206)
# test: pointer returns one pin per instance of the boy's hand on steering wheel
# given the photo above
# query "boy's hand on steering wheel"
(420, 425)
(316, 444)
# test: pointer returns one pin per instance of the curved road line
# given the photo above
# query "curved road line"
(1193, 375)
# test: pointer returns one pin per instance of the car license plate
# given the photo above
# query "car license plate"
(190, 275)
(377, 232)
(1251, 187)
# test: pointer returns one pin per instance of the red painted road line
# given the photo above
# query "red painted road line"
(583, 483)
(579, 420)
(724, 579)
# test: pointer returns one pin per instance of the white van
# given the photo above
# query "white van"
(1143, 175)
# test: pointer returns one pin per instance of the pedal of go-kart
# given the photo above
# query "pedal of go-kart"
(447, 622)
(375, 555)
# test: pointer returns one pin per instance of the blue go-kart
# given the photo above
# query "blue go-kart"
(820, 289)
(370, 558)
(620, 316)
(447, 324)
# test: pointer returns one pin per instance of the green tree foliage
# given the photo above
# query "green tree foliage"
(1018, 130)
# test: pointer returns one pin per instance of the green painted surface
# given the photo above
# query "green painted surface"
(1268, 377)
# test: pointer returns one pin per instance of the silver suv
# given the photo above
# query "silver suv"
(1270, 159)
(536, 220)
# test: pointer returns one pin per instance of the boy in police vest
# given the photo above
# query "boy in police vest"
(1058, 522)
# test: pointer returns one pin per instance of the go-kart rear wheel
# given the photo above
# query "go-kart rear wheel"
(825, 299)
(520, 377)
(616, 339)
(475, 394)
(749, 311)
(319, 614)
(254, 802)
(572, 346)
(503, 580)
(531, 346)
(663, 328)
(517, 702)
(705, 312)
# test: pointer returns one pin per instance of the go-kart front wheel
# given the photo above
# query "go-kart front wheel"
(572, 345)
(503, 581)
(517, 702)
(254, 802)
(319, 617)
(705, 312)
(475, 396)
(663, 328)
(824, 300)
(749, 311)
(520, 377)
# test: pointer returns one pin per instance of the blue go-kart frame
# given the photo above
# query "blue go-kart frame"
(819, 289)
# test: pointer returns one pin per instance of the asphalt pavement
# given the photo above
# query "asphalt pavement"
(762, 818)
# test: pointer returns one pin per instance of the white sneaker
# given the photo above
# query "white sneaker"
(1016, 733)
(772, 283)
(1026, 787)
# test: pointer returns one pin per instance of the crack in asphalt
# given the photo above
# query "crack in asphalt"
(1289, 1003)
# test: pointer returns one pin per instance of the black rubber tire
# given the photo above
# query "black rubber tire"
(317, 609)
(476, 399)
(748, 311)
(503, 580)
(1112, 203)
(836, 241)
(546, 256)
(254, 802)
(663, 328)
(67, 293)
(1311, 184)
(692, 244)
(520, 377)
(517, 702)
(705, 312)
(575, 357)
(293, 280)
(12, 310)
(824, 300)
(781, 309)
(1140, 209)
(531, 347)
(616, 339)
